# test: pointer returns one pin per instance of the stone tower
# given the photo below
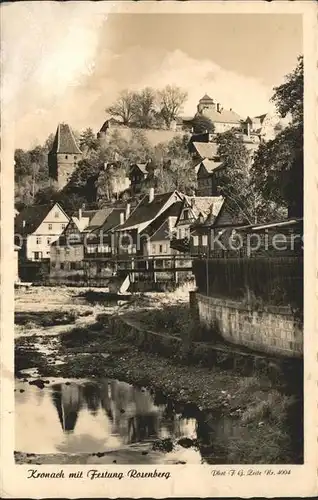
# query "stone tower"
(205, 103)
(63, 157)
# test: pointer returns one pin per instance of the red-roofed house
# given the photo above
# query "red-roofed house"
(64, 156)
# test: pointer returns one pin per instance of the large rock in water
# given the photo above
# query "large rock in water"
(119, 284)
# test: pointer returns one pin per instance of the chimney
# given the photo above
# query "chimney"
(248, 128)
(127, 210)
(122, 218)
(151, 194)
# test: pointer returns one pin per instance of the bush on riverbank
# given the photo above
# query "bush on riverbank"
(44, 318)
(176, 320)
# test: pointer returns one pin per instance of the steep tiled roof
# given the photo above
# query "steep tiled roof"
(99, 218)
(112, 220)
(89, 213)
(64, 141)
(65, 238)
(82, 223)
(206, 98)
(210, 165)
(32, 217)
(159, 222)
(147, 212)
(142, 167)
(206, 149)
(223, 116)
(205, 205)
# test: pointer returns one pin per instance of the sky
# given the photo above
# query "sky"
(68, 61)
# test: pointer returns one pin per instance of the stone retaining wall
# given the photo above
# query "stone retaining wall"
(271, 329)
(201, 353)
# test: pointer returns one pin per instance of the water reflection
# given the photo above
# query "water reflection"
(95, 416)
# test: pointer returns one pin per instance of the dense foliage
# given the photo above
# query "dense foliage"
(278, 166)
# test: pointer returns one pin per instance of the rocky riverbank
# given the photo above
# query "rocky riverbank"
(264, 421)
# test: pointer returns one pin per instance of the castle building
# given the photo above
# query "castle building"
(63, 157)
(222, 119)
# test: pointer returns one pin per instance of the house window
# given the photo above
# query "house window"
(38, 241)
(160, 248)
(66, 157)
(165, 248)
(186, 214)
(48, 241)
(153, 248)
(195, 241)
(204, 240)
(73, 266)
(75, 157)
(62, 265)
(63, 226)
(37, 255)
(50, 227)
(56, 215)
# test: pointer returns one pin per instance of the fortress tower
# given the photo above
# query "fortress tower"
(63, 157)
(206, 103)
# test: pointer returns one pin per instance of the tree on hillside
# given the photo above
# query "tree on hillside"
(289, 96)
(244, 201)
(144, 108)
(109, 181)
(234, 178)
(170, 101)
(46, 195)
(278, 165)
(174, 168)
(88, 141)
(82, 184)
(202, 124)
(124, 107)
(22, 164)
(49, 142)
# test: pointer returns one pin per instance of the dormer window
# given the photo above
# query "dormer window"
(186, 214)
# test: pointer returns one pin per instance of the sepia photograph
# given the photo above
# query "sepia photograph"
(158, 251)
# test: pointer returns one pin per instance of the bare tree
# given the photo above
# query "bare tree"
(171, 100)
(125, 106)
(144, 107)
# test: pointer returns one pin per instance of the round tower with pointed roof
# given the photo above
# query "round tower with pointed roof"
(63, 157)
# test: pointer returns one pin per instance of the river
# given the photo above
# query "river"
(105, 416)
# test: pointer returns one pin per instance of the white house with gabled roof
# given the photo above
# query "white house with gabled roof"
(37, 227)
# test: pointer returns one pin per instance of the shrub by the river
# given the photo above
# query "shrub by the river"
(44, 318)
